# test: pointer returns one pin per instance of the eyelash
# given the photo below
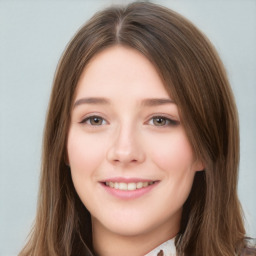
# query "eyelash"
(90, 119)
(167, 121)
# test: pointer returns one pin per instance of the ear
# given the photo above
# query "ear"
(198, 166)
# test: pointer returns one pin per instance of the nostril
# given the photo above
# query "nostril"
(123, 154)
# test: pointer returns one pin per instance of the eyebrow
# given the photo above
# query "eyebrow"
(103, 101)
(156, 102)
(91, 100)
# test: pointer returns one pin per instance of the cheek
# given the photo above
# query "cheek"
(172, 154)
(84, 152)
(174, 157)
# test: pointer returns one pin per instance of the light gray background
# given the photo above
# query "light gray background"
(33, 35)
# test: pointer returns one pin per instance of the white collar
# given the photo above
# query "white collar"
(168, 249)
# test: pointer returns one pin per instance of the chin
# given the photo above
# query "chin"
(129, 229)
(136, 224)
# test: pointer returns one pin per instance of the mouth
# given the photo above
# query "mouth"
(130, 186)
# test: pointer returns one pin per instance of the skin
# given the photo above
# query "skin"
(128, 140)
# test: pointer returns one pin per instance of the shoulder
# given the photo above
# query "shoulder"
(248, 248)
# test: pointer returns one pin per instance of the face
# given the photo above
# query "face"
(131, 162)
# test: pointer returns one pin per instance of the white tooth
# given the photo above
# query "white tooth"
(131, 186)
(139, 185)
(128, 186)
(145, 184)
(122, 186)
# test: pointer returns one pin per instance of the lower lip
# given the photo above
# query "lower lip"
(129, 194)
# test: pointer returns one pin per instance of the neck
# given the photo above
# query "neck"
(112, 244)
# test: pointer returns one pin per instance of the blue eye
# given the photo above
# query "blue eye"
(162, 121)
(94, 120)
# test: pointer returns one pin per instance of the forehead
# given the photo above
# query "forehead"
(120, 70)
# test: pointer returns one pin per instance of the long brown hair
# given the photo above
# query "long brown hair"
(195, 78)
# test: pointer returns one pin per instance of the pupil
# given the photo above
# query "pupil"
(96, 120)
(159, 121)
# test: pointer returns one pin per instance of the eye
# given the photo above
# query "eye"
(94, 120)
(162, 121)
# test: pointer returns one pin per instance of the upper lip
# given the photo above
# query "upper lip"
(127, 180)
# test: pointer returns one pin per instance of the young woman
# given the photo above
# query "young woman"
(141, 144)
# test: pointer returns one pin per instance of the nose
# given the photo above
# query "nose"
(126, 147)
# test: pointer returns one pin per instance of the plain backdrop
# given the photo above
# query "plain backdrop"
(33, 35)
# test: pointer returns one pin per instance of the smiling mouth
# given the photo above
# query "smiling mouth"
(128, 186)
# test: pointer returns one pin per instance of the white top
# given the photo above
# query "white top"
(166, 249)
